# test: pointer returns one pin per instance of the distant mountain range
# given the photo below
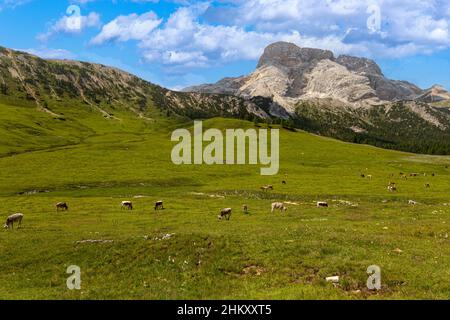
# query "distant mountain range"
(346, 97)
(289, 74)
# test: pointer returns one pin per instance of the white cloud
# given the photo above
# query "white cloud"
(48, 53)
(12, 3)
(204, 44)
(203, 34)
(71, 25)
(82, 1)
(416, 21)
(183, 40)
(131, 27)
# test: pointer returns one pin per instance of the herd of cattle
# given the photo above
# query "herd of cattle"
(224, 213)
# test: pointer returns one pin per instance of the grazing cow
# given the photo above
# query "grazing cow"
(14, 218)
(363, 175)
(427, 185)
(283, 182)
(62, 206)
(392, 188)
(433, 174)
(369, 177)
(412, 202)
(413, 174)
(322, 204)
(278, 206)
(225, 213)
(127, 205)
(159, 205)
(245, 209)
(265, 188)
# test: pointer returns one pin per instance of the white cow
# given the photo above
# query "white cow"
(278, 206)
(14, 218)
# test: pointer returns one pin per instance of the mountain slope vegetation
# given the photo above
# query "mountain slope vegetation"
(101, 136)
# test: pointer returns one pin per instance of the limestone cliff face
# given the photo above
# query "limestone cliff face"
(290, 75)
(385, 89)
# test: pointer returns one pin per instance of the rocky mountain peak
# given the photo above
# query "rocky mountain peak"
(360, 65)
(289, 75)
(438, 88)
(289, 55)
(436, 93)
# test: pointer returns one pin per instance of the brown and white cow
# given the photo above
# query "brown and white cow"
(127, 205)
(322, 204)
(225, 213)
(392, 188)
(62, 206)
(268, 187)
(159, 205)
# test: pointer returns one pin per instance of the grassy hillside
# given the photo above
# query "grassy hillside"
(71, 91)
(93, 163)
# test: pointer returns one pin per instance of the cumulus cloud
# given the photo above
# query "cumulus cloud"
(205, 34)
(131, 27)
(71, 25)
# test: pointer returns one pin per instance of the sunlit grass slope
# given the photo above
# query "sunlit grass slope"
(94, 163)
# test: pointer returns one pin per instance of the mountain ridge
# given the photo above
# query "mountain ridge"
(62, 88)
(313, 86)
(102, 87)
(294, 68)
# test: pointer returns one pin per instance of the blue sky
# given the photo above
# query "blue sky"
(180, 43)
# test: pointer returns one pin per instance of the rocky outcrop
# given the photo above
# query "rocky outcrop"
(290, 73)
(288, 55)
(360, 65)
(435, 94)
(385, 89)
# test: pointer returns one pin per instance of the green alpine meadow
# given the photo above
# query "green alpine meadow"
(94, 137)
